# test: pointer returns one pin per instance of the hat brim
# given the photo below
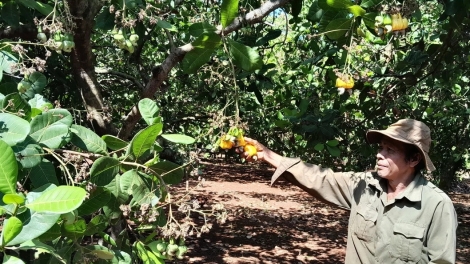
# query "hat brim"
(375, 136)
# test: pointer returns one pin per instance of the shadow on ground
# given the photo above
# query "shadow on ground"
(280, 224)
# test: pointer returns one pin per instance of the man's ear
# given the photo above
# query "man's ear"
(415, 160)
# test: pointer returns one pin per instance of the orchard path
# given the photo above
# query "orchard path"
(279, 224)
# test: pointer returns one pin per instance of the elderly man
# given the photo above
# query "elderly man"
(397, 216)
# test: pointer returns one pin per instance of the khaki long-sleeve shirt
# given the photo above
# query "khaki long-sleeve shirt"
(418, 226)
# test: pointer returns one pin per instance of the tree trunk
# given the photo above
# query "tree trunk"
(83, 70)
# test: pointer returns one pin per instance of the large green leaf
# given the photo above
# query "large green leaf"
(198, 29)
(52, 128)
(228, 12)
(356, 10)
(194, 59)
(10, 14)
(149, 110)
(11, 228)
(29, 155)
(8, 87)
(34, 225)
(145, 192)
(103, 170)
(87, 140)
(128, 180)
(179, 139)
(41, 103)
(98, 198)
(43, 173)
(172, 173)
(105, 20)
(331, 15)
(245, 57)
(120, 196)
(37, 245)
(13, 129)
(296, 7)
(43, 8)
(208, 40)
(337, 28)
(143, 141)
(114, 143)
(38, 82)
(7, 259)
(60, 200)
(15, 103)
(8, 169)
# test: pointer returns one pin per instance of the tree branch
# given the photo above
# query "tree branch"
(160, 73)
(122, 75)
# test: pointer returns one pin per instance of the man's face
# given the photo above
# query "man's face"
(391, 163)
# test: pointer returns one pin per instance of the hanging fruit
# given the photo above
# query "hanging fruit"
(346, 83)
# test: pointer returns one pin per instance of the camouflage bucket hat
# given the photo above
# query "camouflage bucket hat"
(408, 131)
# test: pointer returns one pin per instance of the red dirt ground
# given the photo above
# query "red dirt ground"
(279, 224)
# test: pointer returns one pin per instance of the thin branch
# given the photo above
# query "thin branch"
(122, 75)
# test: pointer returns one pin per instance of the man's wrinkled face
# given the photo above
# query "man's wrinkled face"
(391, 161)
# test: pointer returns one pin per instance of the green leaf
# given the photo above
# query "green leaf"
(38, 83)
(40, 103)
(334, 151)
(128, 180)
(14, 103)
(339, 3)
(319, 147)
(40, 247)
(208, 40)
(76, 229)
(332, 143)
(244, 56)
(96, 225)
(198, 29)
(337, 28)
(34, 223)
(165, 25)
(29, 155)
(194, 59)
(52, 128)
(272, 34)
(114, 143)
(357, 11)
(11, 228)
(8, 169)
(98, 198)
(149, 110)
(143, 141)
(88, 140)
(228, 12)
(7, 61)
(7, 259)
(178, 138)
(10, 14)
(14, 129)
(43, 173)
(172, 173)
(60, 200)
(13, 198)
(120, 196)
(43, 8)
(104, 20)
(147, 256)
(103, 170)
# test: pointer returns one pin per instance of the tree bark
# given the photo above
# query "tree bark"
(83, 71)
(160, 73)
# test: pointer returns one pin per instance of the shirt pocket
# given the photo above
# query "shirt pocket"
(365, 223)
(407, 242)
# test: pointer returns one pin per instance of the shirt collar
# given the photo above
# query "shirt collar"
(413, 192)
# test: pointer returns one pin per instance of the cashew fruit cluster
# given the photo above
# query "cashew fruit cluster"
(169, 248)
(347, 83)
(61, 42)
(386, 23)
(234, 138)
(123, 41)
